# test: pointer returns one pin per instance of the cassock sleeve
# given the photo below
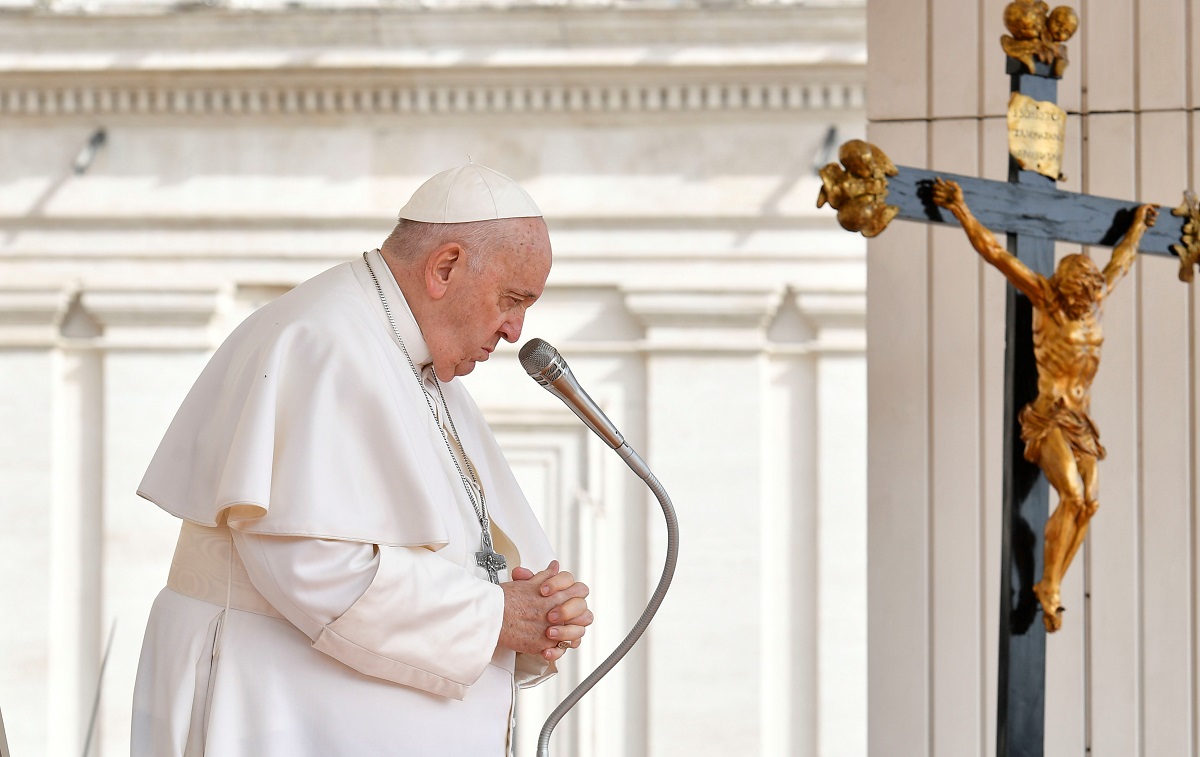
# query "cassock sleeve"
(532, 669)
(402, 614)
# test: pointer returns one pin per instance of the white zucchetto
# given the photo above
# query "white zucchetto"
(469, 193)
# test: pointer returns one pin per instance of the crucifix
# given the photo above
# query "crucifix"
(1052, 326)
(490, 560)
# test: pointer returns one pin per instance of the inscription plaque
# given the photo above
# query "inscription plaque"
(1036, 135)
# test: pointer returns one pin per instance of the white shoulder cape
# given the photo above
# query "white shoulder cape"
(308, 421)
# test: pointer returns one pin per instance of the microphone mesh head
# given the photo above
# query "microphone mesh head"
(536, 355)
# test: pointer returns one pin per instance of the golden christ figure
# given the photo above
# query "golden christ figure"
(1059, 435)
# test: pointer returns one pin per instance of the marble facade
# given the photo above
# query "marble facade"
(167, 168)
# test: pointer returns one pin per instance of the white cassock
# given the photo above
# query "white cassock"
(324, 598)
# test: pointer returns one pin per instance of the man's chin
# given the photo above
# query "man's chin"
(465, 367)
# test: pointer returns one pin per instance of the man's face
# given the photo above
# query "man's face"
(487, 303)
(1079, 282)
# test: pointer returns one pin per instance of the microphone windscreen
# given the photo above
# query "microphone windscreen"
(536, 355)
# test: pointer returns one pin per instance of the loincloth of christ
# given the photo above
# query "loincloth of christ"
(1039, 418)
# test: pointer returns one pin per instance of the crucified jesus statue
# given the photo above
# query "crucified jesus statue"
(1059, 435)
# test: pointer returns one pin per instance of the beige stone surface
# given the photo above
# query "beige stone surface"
(1121, 676)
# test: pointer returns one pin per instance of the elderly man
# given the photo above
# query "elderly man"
(342, 579)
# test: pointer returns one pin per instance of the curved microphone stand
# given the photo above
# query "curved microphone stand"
(547, 367)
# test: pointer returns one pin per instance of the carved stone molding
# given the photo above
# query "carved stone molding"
(154, 33)
(840, 319)
(771, 321)
(121, 312)
(31, 316)
(108, 319)
(717, 320)
(300, 61)
(307, 101)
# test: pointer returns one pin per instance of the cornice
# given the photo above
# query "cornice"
(725, 321)
(311, 62)
(740, 320)
(351, 97)
(688, 320)
(33, 317)
(167, 28)
(745, 309)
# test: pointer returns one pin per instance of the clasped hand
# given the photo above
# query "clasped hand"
(543, 609)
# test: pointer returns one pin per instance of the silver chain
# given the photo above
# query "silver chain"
(480, 506)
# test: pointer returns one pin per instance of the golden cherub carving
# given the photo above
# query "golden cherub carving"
(1038, 33)
(859, 192)
(1188, 248)
(1058, 432)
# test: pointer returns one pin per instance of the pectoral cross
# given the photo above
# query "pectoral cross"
(491, 561)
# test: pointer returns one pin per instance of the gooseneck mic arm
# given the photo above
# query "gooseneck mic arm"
(547, 367)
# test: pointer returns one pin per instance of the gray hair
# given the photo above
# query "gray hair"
(412, 240)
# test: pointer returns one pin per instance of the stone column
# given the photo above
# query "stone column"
(711, 650)
(29, 321)
(835, 440)
(154, 344)
(56, 349)
(76, 530)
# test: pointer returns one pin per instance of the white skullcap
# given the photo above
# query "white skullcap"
(468, 193)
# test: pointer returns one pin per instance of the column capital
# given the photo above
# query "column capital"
(32, 316)
(839, 319)
(704, 320)
(45, 317)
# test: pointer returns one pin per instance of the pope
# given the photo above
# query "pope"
(346, 578)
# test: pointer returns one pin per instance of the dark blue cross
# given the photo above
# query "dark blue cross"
(1033, 213)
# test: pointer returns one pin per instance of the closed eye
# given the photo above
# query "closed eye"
(521, 298)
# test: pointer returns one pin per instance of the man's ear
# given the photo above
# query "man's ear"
(441, 267)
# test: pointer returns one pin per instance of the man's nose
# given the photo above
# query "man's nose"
(511, 328)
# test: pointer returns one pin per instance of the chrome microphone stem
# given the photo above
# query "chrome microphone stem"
(638, 466)
(547, 367)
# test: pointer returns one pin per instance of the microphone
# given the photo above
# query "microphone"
(543, 363)
(547, 367)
